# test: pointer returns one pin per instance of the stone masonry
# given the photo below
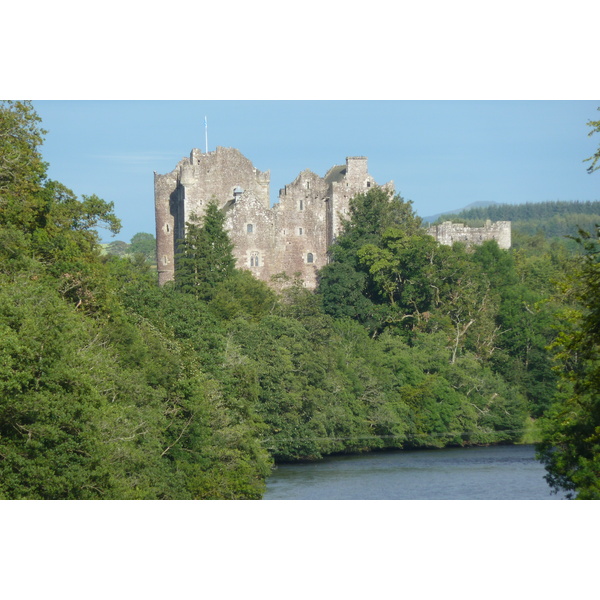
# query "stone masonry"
(294, 235)
(448, 232)
(291, 237)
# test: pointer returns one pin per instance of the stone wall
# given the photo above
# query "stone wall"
(448, 232)
(291, 237)
(187, 190)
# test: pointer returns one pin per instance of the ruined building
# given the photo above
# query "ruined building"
(448, 232)
(292, 236)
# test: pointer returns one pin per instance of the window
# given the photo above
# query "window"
(299, 230)
(309, 258)
(301, 204)
(368, 184)
(249, 228)
(254, 259)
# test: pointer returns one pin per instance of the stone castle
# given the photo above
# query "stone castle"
(448, 232)
(294, 235)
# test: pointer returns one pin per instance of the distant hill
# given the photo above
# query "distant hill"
(554, 219)
(434, 218)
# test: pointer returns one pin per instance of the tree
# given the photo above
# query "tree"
(145, 244)
(117, 248)
(397, 268)
(242, 295)
(595, 125)
(346, 286)
(206, 254)
(570, 448)
(22, 170)
(106, 388)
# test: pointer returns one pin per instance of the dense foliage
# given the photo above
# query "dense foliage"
(571, 439)
(141, 248)
(205, 256)
(113, 387)
(95, 400)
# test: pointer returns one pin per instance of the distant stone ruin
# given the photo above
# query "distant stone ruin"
(448, 232)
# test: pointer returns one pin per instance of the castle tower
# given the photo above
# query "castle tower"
(187, 190)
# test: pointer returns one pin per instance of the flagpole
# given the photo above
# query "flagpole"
(206, 134)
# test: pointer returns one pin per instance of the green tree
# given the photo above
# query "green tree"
(570, 448)
(117, 248)
(242, 295)
(205, 258)
(595, 125)
(145, 244)
(22, 170)
(345, 285)
(397, 268)
(102, 391)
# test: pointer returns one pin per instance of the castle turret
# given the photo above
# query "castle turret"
(165, 207)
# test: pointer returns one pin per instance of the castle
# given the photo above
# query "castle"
(293, 236)
(448, 232)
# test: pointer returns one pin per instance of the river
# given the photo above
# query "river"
(477, 473)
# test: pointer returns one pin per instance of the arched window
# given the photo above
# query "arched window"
(309, 257)
(254, 259)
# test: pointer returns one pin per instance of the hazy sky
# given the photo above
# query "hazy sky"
(442, 155)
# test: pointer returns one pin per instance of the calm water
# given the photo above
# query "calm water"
(488, 473)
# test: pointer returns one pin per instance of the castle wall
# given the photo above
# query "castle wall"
(165, 209)
(218, 174)
(447, 233)
(291, 237)
(188, 189)
(301, 225)
(344, 185)
(253, 232)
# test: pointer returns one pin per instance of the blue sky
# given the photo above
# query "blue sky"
(442, 154)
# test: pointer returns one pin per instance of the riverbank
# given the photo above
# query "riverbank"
(532, 433)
